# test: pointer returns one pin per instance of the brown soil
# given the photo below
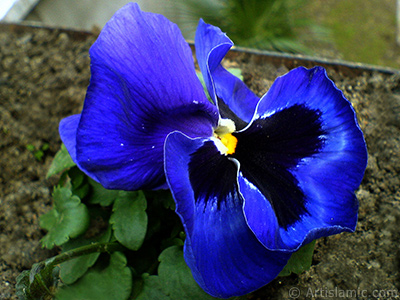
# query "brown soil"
(43, 78)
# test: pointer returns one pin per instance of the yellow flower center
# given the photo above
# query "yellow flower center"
(224, 140)
(230, 142)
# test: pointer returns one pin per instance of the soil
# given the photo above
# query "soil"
(43, 78)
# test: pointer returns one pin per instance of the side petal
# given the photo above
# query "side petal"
(228, 91)
(68, 127)
(143, 86)
(312, 151)
(224, 255)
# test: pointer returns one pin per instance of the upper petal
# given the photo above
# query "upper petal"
(143, 86)
(228, 91)
(224, 255)
(310, 159)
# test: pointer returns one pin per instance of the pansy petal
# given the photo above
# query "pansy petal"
(224, 255)
(68, 127)
(231, 94)
(143, 86)
(313, 159)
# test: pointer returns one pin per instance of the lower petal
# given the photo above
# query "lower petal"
(316, 148)
(224, 255)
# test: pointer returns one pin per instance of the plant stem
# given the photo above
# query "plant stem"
(84, 250)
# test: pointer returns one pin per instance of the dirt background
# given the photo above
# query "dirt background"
(43, 78)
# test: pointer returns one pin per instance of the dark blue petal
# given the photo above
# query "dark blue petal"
(143, 86)
(270, 147)
(227, 90)
(310, 160)
(224, 255)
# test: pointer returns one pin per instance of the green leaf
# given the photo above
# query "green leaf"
(203, 83)
(22, 286)
(101, 283)
(236, 72)
(38, 153)
(73, 269)
(163, 196)
(30, 148)
(79, 184)
(152, 289)
(61, 161)
(174, 280)
(101, 195)
(77, 177)
(39, 282)
(68, 219)
(300, 260)
(45, 147)
(129, 219)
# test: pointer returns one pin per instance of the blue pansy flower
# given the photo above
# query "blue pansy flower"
(253, 179)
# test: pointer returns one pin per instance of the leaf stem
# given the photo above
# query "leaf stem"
(43, 276)
(108, 247)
